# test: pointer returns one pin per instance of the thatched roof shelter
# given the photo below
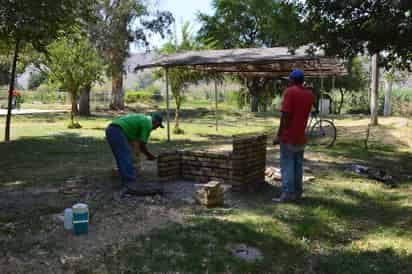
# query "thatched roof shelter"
(264, 62)
(267, 62)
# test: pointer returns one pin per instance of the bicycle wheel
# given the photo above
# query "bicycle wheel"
(322, 133)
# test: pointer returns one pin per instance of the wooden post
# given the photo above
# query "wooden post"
(387, 109)
(374, 90)
(332, 111)
(216, 118)
(167, 103)
(320, 97)
(11, 89)
(246, 106)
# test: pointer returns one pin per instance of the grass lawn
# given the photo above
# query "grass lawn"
(347, 223)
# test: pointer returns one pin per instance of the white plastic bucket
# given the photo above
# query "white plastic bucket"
(68, 218)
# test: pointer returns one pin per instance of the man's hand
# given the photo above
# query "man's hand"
(276, 141)
(151, 157)
(145, 151)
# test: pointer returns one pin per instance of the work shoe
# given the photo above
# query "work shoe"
(118, 195)
(144, 189)
(285, 198)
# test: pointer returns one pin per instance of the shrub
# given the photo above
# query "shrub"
(137, 96)
(45, 88)
(357, 103)
(150, 93)
(74, 125)
(178, 131)
(155, 91)
(401, 102)
(46, 94)
(152, 89)
(231, 97)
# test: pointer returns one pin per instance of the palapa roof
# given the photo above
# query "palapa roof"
(267, 62)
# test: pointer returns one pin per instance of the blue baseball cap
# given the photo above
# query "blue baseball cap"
(297, 74)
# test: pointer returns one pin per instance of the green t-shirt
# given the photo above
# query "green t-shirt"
(135, 126)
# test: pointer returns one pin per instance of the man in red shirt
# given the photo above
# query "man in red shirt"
(296, 106)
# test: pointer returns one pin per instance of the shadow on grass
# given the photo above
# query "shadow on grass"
(196, 113)
(386, 261)
(54, 158)
(378, 155)
(333, 216)
(341, 217)
(204, 247)
(48, 117)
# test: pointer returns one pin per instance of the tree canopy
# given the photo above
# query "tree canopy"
(119, 23)
(35, 24)
(73, 62)
(39, 22)
(251, 23)
(347, 27)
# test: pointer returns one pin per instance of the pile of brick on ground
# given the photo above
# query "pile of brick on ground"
(244, 166)
(210, 195)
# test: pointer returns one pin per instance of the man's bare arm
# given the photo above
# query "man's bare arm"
(145, 150)
(284, 122)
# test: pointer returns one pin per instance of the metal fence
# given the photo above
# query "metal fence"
(41, 99)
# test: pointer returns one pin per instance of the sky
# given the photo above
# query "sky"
(182, 10)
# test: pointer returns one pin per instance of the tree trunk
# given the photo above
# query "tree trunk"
(177, 116)
(255, 86)
(387, 109)
(11, 89)
(254, 106)
(117, 101)
(84, 107)
(342, 96)
(374, 90)
(74, 109)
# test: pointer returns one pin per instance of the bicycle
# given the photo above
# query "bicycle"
(320, 131)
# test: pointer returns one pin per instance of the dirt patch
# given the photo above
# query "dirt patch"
(44, 246)
(33, 216)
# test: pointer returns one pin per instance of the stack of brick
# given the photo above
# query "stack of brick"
(244, 166)
(211, 194)
(169, 166)
(206, 166)
(249, 160)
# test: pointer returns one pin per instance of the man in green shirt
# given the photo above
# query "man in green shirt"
(132, 129)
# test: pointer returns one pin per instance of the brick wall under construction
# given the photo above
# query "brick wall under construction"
(243, 166)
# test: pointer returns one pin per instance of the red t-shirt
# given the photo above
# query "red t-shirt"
(297, 102)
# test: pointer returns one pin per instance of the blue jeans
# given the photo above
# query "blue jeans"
(291, 166)
(123, 154)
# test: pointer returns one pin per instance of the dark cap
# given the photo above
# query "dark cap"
(157, 118)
